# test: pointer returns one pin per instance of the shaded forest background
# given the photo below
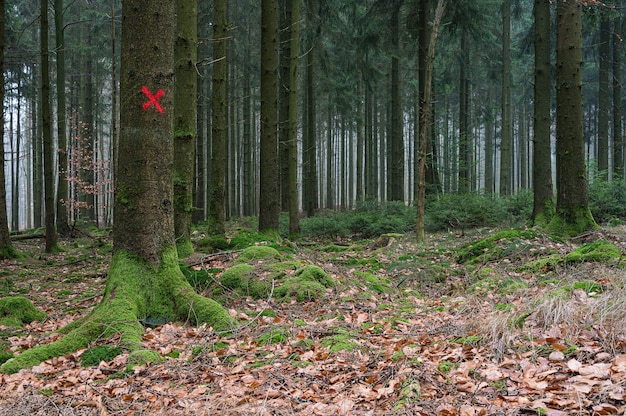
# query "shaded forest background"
(358, 108)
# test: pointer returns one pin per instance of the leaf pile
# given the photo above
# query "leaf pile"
(360, 351)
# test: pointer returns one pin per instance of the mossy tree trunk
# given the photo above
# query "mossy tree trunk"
(217, 194)
(543, 197)
(144, 282)
(269, 199)
(6, 249)
(294, 46)
(572, 209)
(185, 121)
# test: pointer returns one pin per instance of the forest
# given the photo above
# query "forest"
(323, 207)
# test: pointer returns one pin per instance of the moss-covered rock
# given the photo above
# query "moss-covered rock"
(495, 246)
(597, 251)
(302, 289)
(541, 265)
(315, 274)
(17, 310)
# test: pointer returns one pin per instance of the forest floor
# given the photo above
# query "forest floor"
(408, 329)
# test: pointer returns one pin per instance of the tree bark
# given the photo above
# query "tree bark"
(185, 121)
(269, 200)
(6, 248)
(217, 195)
(572, 211)
(292, 143)
(62, 191)
(506, 167)
(604, 50)
(543, 196)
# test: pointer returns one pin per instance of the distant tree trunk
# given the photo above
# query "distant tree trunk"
(186, 92)
(395, 170)
(88, 132)
(489, 134)
(425, 120)
(330, 200)
(572, 210)
(292, 143)
(283, 101)
(62, 191)
(604, 51)
(15, 200)
(464, 130)
(543, 196)
(269, 200)
(506, 167)
(217, 196)
(309, 151)
(618, 156)
(48, 147)
(6, 248)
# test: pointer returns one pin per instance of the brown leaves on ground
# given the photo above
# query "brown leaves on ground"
(356, 352)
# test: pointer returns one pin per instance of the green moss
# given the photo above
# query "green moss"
(134, 291)
(255, 253)
(542, 264)
(234, 277)
(93, 356)
(141, 357)
(315, 274)
(597, 251)
(492, 247)
(184, 247)
(17, 310)
(342, 341)
(571, 224)
(301, 289)
(373, 282)
(588, 286)
(274, 336)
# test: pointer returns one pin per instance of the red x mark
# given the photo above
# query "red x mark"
(152, 99)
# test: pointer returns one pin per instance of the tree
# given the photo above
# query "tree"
(425, 120)
(292, 143)
(46, 125)
(6, 248)
(185, 121)
(543, 198)
(395, 155)
(572, 215)
(144, 282)
(217, 193)
(269, 198)
(506, 168)
(62, 192)
(603, 95)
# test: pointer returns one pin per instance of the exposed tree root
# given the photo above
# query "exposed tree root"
(136, 292)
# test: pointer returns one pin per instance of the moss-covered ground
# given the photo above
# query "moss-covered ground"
(482, 321)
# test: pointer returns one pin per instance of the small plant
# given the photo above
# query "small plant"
(445, 367)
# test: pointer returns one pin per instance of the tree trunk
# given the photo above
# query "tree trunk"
(144, 282)
(309, 151)
(396, 140)
(464, 131)
(269, 201)
(62, 191)
(604, 51)
(506, 168)
(618, 154)
(292, 143)
(283, 101)
(543, 197)
(185, 121)
(425, 120)
(6, 248)
(217, 195)
(572, 211)
(48, 147)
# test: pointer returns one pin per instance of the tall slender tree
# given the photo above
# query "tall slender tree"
(604, 51)
(6, 248)
(186, 57)
(217, 195)
(269, 199)
(506, 151)
(62, 219)
(144, 282)
(292, 143)
(572, 215)
(543, 197)
(618, 143)
(46, 125)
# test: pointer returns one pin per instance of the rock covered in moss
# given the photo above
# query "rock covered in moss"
(17, 310)
(255, 253)
(598, 251)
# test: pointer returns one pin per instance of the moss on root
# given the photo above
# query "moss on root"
(135, 292)
(572, 224)
(598, 251)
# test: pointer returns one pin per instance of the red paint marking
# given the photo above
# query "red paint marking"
(152, 99)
